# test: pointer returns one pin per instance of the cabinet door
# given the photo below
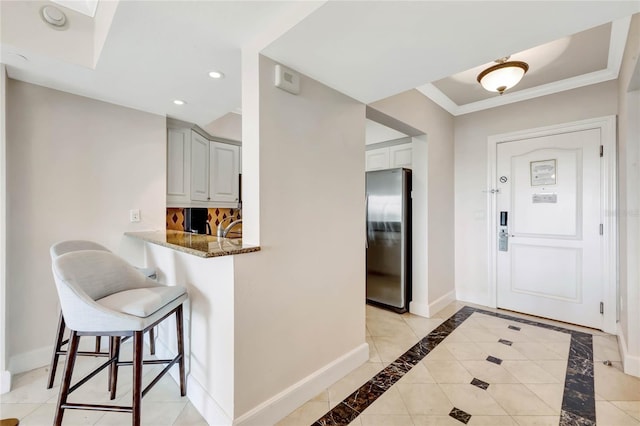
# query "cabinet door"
(224, 160)
(377, 159)
(400, 156)
(178, 166)
(199, 168)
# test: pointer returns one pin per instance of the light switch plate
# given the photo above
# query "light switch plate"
(134, 215)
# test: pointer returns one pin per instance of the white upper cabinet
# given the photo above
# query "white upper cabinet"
(400, 156)
(199, 168)
(201, 173)
(377, 159)
(388, 157)
(178, 166)
(224, 160)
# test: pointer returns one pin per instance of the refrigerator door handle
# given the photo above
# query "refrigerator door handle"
(366, 218)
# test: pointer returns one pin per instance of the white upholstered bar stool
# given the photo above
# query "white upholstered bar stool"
(59, 249)
(102, 295)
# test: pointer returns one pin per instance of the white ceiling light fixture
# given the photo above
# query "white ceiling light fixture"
(54, 17)
(502, 76)
(216, 74)
(179, 102)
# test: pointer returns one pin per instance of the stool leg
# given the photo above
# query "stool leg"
(66, 378)
(56, 348)
(138, 343)
(112, 340)
(97, 344)
(180, 334)
(113, 382)
(152, 341)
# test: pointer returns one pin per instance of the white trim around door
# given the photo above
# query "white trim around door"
(608, 206)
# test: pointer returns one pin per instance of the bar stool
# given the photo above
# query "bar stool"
(59, 249)
(102, 295)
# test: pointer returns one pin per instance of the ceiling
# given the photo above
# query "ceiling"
(146, 54)
(375, 132)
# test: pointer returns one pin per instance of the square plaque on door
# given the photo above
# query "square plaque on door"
(543, 172)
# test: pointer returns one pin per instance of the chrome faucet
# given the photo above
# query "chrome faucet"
(222, 232)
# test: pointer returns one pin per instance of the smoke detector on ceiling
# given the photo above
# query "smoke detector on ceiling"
(54, 17)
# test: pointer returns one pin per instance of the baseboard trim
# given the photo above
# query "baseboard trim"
(206, 405)
(5, 381)
(434, 307)
(282, 404)
(208, 408)
(630, 363)
(419, 309)
(27, 361)
(41, 357)
(476, 298)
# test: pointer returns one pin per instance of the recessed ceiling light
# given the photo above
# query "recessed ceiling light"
(216, 74)
(54, 17)
(179, 102)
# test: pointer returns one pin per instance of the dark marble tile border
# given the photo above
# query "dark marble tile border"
(460, 415)
(480, 383)
(578, 403)
(494, 360)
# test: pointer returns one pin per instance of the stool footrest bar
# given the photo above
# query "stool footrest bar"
(83, 353)
(98, 407)
(145, 362)
(162, 373)
(86, 378)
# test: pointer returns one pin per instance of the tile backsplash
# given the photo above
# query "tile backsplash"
(176, 218)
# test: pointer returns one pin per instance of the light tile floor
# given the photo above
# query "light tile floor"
(526, 389)
(34, 405)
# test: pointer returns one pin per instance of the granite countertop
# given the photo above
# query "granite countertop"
(196, 244)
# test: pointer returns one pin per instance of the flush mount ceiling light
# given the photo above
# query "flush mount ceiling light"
(179, 102)
(54, 17)
(502, 76)
(216, 74)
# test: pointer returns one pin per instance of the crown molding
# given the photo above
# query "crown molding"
(617, 42)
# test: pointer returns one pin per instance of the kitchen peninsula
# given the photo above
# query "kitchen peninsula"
(204, 264)
(196, 244)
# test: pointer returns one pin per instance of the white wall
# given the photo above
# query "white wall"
(471, 133)
(5, 376)
(376, 132)
(208, 325)
(419, 112)
(300, 302)
(75, 166)
(629, 200)
(229, 126)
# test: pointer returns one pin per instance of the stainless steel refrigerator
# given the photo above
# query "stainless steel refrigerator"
(389, 238)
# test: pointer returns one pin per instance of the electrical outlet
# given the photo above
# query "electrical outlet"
(134, 215)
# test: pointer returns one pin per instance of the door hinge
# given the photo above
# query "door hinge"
(601, 151)
(601, 229)
(601, 307)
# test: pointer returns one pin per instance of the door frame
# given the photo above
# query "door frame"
(608, 206)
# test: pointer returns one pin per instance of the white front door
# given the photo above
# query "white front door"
(550, 264)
